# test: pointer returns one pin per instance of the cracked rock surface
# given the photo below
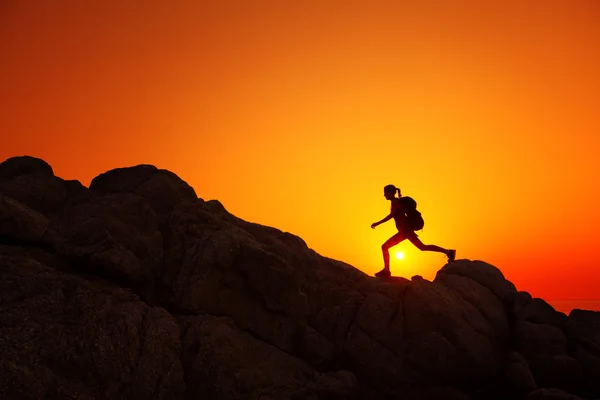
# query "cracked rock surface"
(136, 288)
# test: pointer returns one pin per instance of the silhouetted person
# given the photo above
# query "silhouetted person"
(404, 231)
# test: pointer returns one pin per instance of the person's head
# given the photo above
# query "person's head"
(390, 192)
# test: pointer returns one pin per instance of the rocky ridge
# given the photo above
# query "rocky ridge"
(136, 288)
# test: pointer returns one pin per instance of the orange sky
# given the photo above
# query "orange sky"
(295, 114)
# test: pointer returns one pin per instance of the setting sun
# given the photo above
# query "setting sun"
(399, 255)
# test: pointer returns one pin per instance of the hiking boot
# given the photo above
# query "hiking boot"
(384, 273)
(451, 255)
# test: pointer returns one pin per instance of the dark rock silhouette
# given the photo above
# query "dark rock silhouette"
(135, 288)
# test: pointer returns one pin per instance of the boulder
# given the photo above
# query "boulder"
(583, 331)
(62, 336)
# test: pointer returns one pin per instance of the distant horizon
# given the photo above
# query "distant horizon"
(566, 306)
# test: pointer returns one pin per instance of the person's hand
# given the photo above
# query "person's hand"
(373, 225)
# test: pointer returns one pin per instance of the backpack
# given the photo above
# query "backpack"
(415, 220)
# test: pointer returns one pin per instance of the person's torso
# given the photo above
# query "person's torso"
(399, 214)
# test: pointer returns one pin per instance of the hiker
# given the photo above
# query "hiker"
(405, 231)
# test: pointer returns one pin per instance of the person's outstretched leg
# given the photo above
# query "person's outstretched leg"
(431, 247)
(385, 248)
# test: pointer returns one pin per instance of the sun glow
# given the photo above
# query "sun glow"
(399, 255)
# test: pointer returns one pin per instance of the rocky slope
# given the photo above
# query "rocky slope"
(136, 288)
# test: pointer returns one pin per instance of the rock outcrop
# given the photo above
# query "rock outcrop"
(136, 288)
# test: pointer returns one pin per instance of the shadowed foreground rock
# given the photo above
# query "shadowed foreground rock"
(135, 288)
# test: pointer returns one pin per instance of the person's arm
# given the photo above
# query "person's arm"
(373, 225)
(392, 212)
